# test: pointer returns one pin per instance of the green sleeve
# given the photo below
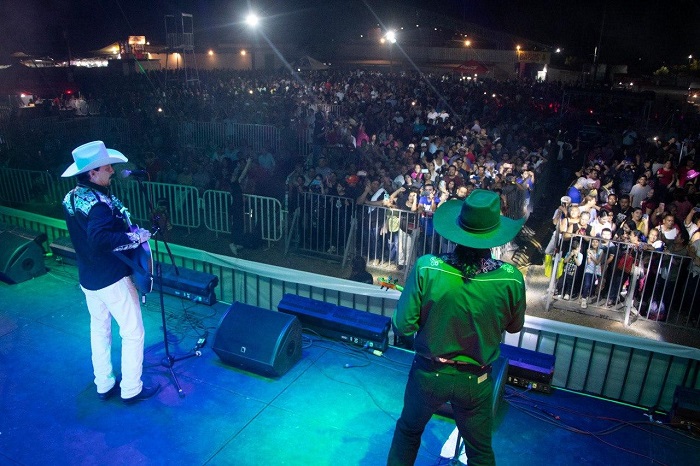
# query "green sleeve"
(406, 317)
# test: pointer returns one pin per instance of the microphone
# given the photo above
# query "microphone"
(134, 173)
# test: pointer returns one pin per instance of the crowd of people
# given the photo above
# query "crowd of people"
(632, 208)
(403, 140)
(459, 157)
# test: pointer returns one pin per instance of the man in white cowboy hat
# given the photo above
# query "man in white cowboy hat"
(458, 306)
(97, 229)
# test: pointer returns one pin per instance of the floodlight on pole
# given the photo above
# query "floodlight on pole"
(252, 20)
(390, 37)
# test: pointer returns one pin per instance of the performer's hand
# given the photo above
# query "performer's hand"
(144, 235)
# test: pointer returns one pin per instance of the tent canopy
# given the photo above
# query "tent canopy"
(44, 82)
(110, 49)
(472, 67)
(308, 63)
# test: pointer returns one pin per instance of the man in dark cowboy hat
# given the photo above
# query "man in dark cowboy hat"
(458, 306)
(97, 228)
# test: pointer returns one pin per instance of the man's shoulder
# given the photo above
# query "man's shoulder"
(508, 270)
(80, 198)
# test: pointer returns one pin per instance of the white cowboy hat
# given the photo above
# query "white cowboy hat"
(92, 155)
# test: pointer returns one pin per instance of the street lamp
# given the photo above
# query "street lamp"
(252, 20)
(391, 38)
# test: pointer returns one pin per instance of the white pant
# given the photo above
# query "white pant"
(121, 301)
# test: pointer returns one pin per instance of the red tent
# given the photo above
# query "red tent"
(472, 67)
(44, 82)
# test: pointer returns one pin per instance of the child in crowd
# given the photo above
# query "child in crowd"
(572, 260)
(592, 271)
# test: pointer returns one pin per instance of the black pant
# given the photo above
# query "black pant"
(430, 385)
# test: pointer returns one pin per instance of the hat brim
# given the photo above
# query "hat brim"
(445, 221)
(114, 157)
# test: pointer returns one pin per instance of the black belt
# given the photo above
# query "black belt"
(461, 365)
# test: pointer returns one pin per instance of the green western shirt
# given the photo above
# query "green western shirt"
(460, 320)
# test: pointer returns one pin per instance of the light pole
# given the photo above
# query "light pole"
(391, 38)
(252, 20)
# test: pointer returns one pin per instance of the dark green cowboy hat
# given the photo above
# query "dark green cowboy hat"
(477, 222)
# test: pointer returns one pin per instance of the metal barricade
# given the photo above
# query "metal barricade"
(634, 282)
(24, 186)
(324, 223)
(60, 187)
(515, 202)
(115, 132)
(264, 212)
(180, 203)
(216, 211)
(328, 109)
(203, 134)
(388, 238)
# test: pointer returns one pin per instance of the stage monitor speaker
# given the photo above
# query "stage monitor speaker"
(62, 247)
(188, 284)
(258, 340)
(21, 256)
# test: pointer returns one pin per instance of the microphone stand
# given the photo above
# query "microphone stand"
(169, 360)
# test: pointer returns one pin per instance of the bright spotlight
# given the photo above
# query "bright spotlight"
(391, 36)
(252, 20)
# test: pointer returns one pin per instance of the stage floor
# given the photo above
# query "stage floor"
(319, 413)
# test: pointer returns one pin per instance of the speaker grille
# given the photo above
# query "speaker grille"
(258, 340)
(21, 258)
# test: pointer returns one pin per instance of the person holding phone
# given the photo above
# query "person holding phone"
(406, 201)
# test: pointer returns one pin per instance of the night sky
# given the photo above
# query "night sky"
(646, 34)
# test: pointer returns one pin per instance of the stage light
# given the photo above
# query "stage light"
(252, 20)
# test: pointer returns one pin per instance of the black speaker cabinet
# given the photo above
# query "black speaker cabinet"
(63, 247)
(258, 340)
(21, 256)
(188, 284)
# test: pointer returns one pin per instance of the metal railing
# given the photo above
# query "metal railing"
(657, 286)
(24, 186)
(619, 367)
(115, 132)
(324, 222)
(633, 283)
(264, 212)
(388, 238)
(204, 134)
(181, 203)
